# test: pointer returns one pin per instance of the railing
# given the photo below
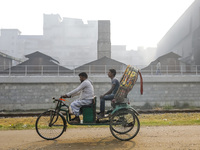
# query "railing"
(172, 70)
(94, 70)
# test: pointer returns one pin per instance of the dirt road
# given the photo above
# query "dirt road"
(149, 138)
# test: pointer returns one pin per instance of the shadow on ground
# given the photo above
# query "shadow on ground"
(108, 143)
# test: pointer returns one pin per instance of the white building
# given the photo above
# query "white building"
(68, 40)
(72, 42)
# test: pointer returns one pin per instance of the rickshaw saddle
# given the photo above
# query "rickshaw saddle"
(89, 112)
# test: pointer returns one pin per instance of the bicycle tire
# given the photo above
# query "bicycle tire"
(124, 124)
(118, 121)
(47, 130)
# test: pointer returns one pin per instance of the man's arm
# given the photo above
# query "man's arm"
(75, 91)
(110, 91)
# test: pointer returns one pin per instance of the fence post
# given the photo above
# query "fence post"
(58, 70)
(74, 72)
(181, 69)
(196, 70)
(9, 70)
(25, 70)
(89, 69)
(167, 69)
(42, 70)
(105, 70)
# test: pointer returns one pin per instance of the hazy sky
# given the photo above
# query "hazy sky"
(133, 22)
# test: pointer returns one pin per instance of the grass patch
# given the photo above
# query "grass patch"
(167, 119)
(170, 119)
(19, 123)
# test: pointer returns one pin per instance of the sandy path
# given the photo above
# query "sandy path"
(149, 138)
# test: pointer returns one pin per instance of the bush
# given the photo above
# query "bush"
(146, 106)
(185, 105)
(168, 107)
(177, 104)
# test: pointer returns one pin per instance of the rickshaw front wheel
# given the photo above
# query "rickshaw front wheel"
(50, 125)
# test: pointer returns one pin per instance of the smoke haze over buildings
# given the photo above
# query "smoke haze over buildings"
(133, 23)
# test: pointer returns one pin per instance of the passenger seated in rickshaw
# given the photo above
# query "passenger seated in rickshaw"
(86, 91)
(109, 95)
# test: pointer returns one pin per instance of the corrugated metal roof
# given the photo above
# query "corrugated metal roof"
(10, 57)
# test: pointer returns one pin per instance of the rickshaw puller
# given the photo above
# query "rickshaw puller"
(86, 91)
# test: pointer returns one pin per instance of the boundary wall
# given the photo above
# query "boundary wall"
(35, 93)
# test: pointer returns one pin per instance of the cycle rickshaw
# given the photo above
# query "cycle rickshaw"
(122, 119)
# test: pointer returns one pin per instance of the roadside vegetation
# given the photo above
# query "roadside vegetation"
(167, 119)
(170, 119)
(156, 106)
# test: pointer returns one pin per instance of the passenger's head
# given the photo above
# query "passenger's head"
(111, 73)
(83, 76)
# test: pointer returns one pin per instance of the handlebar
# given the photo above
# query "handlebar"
(60, 99)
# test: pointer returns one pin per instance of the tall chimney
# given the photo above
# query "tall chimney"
(104, 44)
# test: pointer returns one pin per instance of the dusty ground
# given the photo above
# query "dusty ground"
(149, 138)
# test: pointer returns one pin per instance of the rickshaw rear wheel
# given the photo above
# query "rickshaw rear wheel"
(124, 124)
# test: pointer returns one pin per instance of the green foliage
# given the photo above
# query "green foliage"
(146, 106)
(186, 105)
(156, 106)
(177, 104)
(168, 107)
(16, 126)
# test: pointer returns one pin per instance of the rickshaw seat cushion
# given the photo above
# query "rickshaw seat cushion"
(89, 112)
(91, 105)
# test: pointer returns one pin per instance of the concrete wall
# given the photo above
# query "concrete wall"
(27, 93)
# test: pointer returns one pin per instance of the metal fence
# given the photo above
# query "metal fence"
(172, 70)
(94, 70)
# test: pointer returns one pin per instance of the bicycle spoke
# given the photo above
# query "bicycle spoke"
(50, 125)
(124, 125)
